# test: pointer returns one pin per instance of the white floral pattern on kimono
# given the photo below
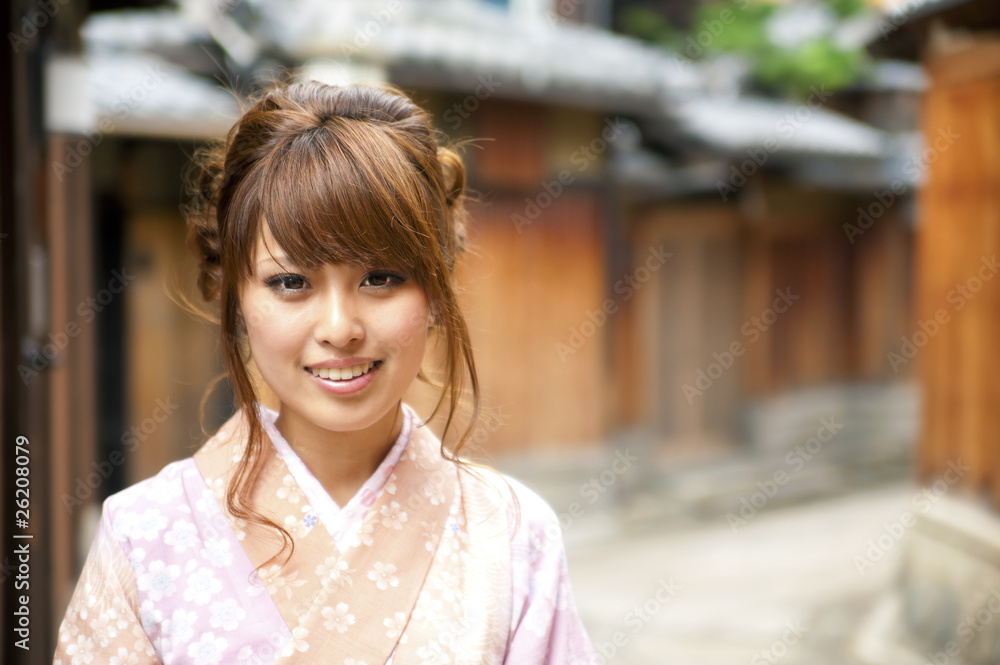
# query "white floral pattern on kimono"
(171, 578)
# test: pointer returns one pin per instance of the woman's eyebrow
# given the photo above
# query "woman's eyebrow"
(279, 259)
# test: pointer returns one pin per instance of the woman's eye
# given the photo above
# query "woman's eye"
(286, 283)
(383, 280)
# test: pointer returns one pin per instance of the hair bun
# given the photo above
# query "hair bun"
(454, 180)
(203, 226)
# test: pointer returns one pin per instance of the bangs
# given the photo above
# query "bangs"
(346, 192)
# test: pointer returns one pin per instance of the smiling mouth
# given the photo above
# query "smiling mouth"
(346, 373)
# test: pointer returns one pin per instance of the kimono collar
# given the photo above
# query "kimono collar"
(410, 417)
(340, 521)
(269, 416)
(375, 576)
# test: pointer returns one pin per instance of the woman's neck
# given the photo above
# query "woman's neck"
(341, 461)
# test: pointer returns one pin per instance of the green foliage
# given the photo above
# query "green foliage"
(847, 8)
(741, 28)
(648, 26)
(816, 63)
(738, 29)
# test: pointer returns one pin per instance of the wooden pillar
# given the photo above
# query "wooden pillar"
(71, 407)
(957, 246)
(44, 258)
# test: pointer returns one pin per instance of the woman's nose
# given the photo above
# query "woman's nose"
(338, 320)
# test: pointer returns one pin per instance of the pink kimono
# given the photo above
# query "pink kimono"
(428, 563)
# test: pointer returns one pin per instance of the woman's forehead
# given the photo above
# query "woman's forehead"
(267, 253)
(266, 248)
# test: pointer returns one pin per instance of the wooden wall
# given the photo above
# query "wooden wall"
(65, 493)
(882, 294)
(958, 236)
(850, 306)
(526, 294)
(170, 355)
(525, 291)
(531, 280)
(551, 376)
(854, 295)
(687, 311)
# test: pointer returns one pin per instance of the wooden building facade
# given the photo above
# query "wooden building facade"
(590, 314)
(958, 245)
(958, 236)
(751, 311)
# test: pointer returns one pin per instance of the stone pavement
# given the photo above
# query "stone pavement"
(785, 588)
(694, 555)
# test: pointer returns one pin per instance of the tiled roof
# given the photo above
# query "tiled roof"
(737, 124)
(449, 44)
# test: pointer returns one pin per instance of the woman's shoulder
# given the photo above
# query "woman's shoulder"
(169, 518)
(165, 493)
(178, 478)
(531, 514)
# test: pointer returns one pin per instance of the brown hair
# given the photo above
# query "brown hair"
(339, 174)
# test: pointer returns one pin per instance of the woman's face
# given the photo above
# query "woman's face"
(366, 326)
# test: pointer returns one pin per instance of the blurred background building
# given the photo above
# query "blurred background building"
(697, 247)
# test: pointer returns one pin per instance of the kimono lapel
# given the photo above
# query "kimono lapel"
(353, 604)
(463, 616)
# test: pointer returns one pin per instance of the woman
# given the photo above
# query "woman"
(335, 528)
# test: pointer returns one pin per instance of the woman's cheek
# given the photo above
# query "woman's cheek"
(258, 311)
(281, 334)
(405, 332)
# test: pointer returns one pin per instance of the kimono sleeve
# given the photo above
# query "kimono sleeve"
(546, 628)
(102, 622)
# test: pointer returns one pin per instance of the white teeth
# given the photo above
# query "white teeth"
(335, 374)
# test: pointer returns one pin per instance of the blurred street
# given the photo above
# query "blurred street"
(784, 589)
(666, 572)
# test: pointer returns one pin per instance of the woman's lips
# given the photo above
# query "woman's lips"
(346, 386)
